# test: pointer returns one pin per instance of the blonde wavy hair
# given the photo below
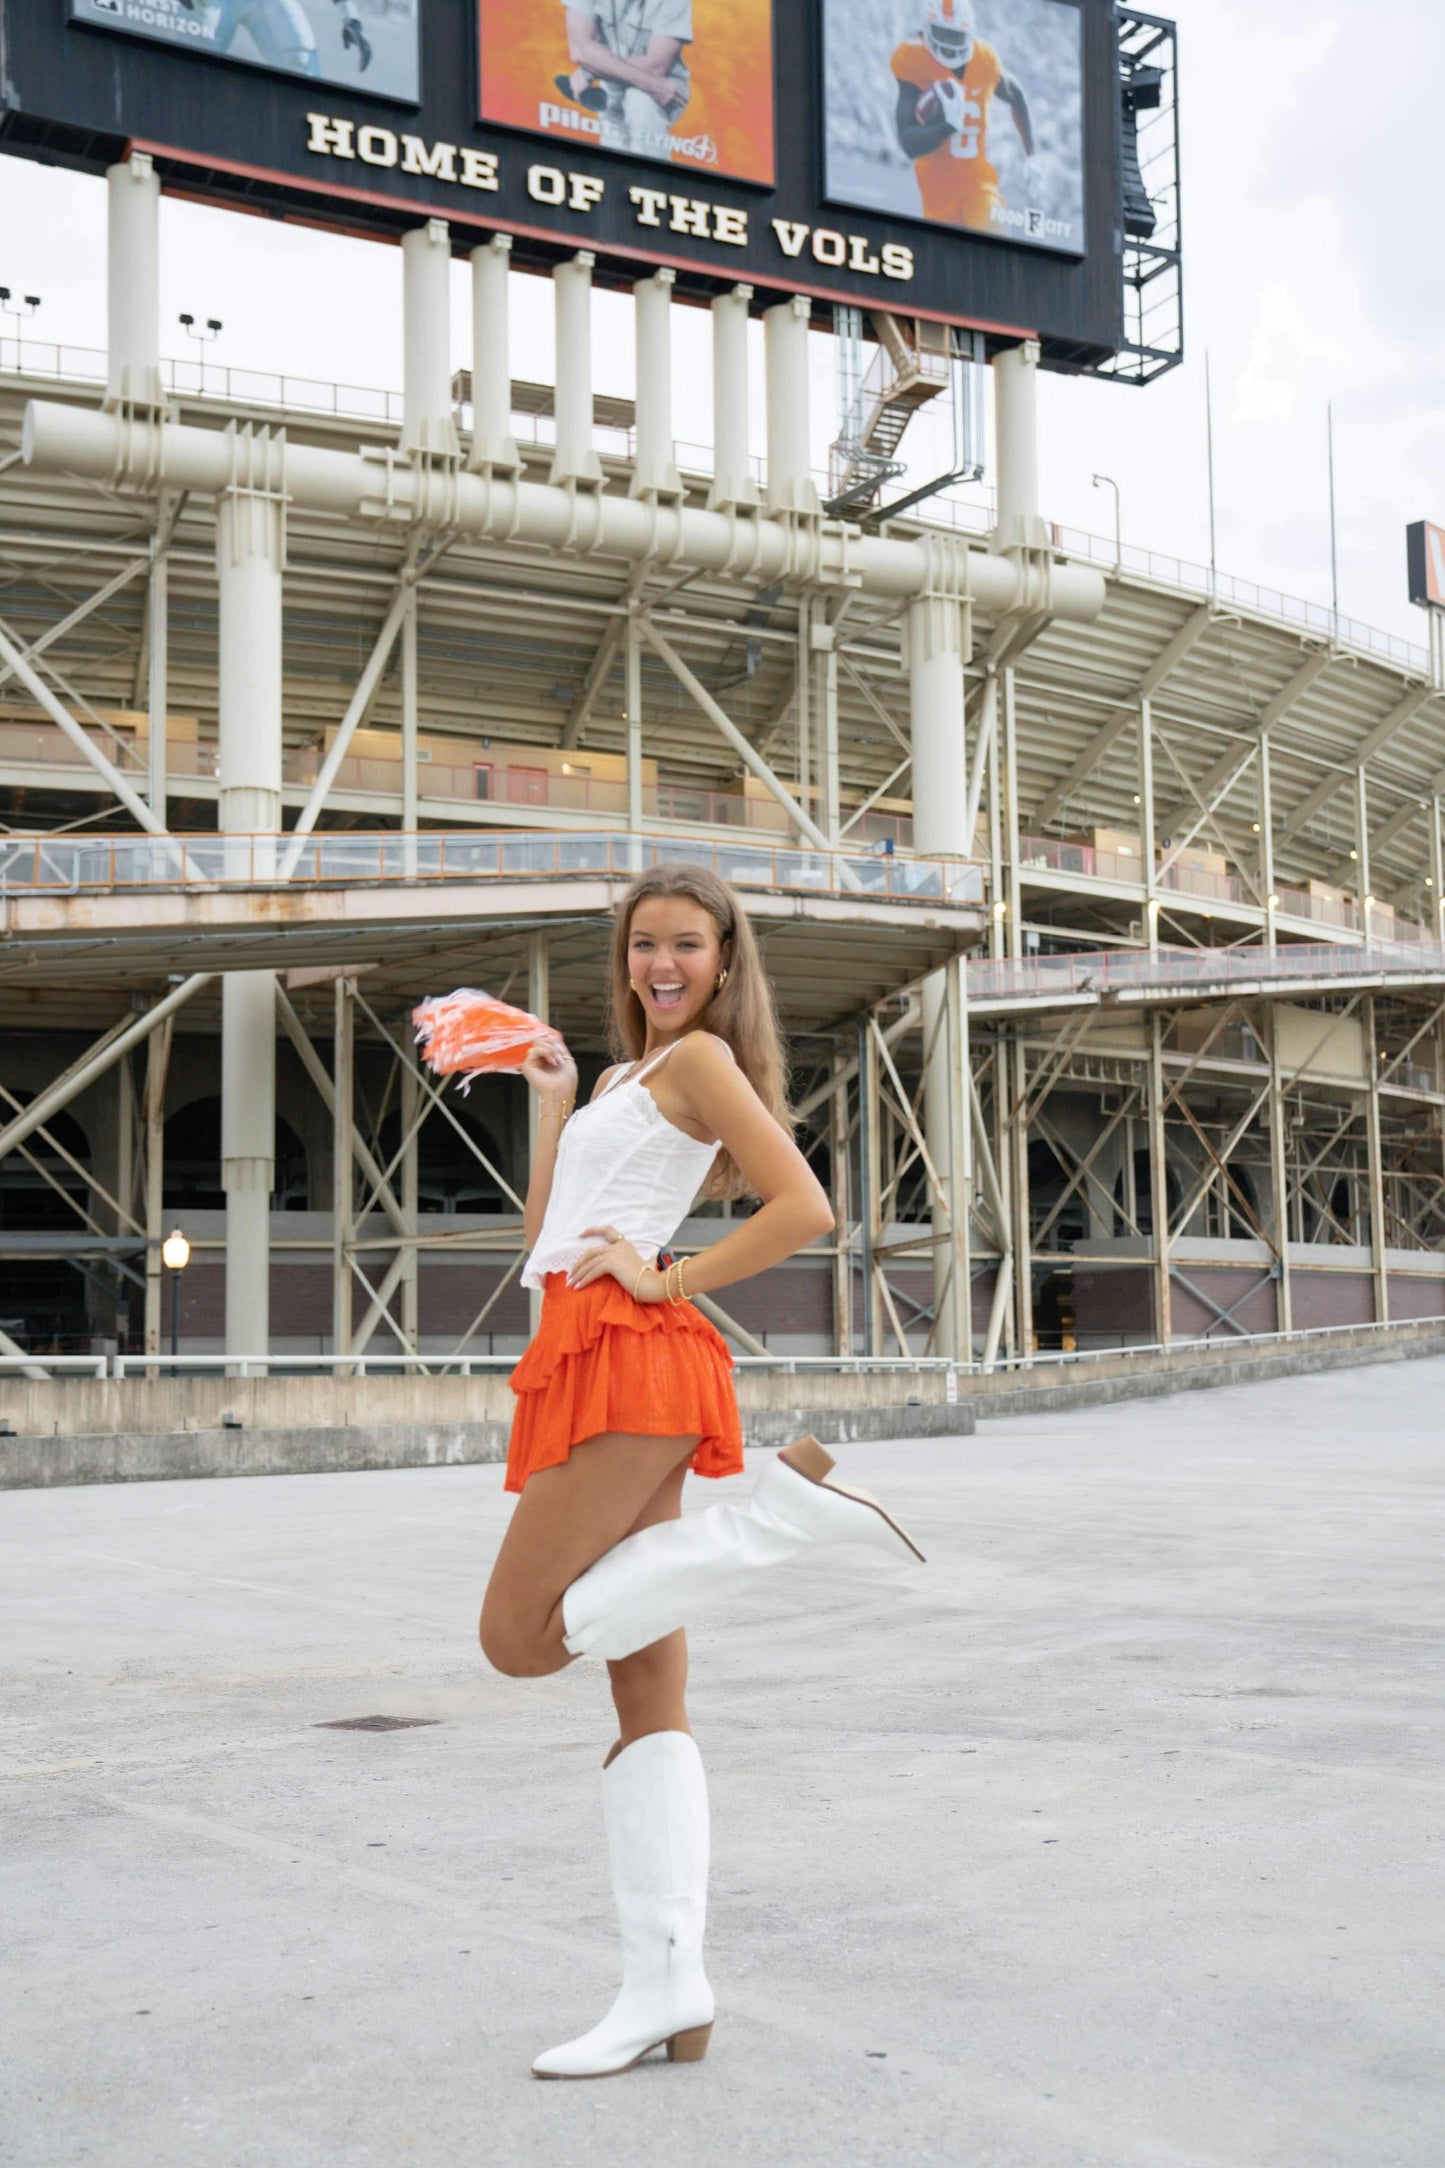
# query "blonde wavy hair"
(742, 1013)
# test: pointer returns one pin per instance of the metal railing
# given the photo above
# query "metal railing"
(1192, 970)
(194, 378)
(74, 865)
(244, 1366)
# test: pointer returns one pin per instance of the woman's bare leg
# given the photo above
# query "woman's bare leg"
(649, 1687)
(564, 1520)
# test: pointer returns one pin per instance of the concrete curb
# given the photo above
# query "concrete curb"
(38, 1463)
(1011, 1399)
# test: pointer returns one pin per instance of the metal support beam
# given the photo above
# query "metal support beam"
(1123, 718)
(752, 760)
(14, 658)
(105, 1052)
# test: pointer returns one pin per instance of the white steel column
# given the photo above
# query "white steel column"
(1266, 840)
(937, 642)
(250, 550)
(574, 460)
(493, 447)
(426, 261)
(1147, 846)
(1375, 1165)
(1159, 1186)
(408, 1102)
(790, 480)
(633, 718)
(1362, 847)
(343, 1172)
(654, 473)
(1016, 430)
(157, 691)
(410, 819)
(133, 284)
(733, 487)
(539, 1001)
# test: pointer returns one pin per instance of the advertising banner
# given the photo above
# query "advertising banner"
(363, 44)
(687, 82)
(962, 113)
(1425, 559)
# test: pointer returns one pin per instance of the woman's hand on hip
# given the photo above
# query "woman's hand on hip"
(617, 1259)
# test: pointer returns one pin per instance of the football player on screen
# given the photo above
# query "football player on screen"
(279, 31)
(628, 67)
(947, 79)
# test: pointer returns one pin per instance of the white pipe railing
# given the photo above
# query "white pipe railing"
(244, 1366)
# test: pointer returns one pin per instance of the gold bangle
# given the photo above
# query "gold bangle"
(681, 1282)
(566, 1106)
(638, 1282)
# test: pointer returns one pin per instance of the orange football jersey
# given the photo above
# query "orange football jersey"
(958, 185)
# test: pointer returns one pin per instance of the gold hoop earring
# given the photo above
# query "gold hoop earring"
(720, 981)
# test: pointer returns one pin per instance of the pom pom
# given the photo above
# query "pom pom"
(469, 1032)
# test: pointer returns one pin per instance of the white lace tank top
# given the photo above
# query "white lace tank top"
(620, 1163)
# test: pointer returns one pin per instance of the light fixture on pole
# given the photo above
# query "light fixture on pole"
(29, 303)
(202, 337)
(1106, 481)
(175, 1256)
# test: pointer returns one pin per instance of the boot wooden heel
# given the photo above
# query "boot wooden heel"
(689, 2047)
(808, 1458)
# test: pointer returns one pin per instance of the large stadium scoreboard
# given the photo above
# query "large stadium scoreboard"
(962, 160)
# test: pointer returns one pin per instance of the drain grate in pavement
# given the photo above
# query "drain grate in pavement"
(376, 1723)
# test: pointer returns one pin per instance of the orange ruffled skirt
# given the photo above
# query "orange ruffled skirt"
(600, 1361)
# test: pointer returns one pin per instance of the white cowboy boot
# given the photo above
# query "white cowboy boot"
(654, 1798)
(651, 1583)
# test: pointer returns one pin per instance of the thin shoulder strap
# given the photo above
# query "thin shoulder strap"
(649, 1066)
(619, 1076)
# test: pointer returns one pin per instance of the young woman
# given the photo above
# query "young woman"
(626, 1386)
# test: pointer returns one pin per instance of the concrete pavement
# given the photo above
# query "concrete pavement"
(1114, 1836)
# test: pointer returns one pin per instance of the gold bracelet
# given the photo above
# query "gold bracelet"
(638, 1282)
(682, 1264)
(566, 1106)
(679, 1266)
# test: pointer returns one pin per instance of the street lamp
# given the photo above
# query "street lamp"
(175, 1256)
(1106, 481)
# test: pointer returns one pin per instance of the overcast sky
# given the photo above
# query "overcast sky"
(1314, 273)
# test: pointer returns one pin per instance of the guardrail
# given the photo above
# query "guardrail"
(1191, 970)
(245, 1366)
(76, 865)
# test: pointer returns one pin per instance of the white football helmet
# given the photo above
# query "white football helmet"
(950, 28)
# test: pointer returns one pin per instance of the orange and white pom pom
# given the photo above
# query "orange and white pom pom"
(469, 1033)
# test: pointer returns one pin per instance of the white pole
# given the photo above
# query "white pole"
(250, 548)
(790, 481)
(1016, 421)
(426, 265)
(574, 460)
(654, 473)
(493, 447)
(936, 648)
(733, 486)
(133, 284)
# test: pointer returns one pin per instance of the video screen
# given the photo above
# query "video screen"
(966, 113)
(361, 44)
(688, 82)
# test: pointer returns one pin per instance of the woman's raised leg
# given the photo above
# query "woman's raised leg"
(564, 1520)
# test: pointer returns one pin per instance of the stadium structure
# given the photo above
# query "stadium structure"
(1102, 898)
